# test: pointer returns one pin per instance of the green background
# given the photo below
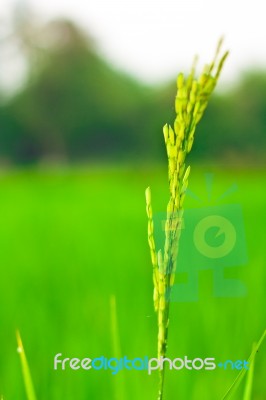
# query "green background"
(71, 238)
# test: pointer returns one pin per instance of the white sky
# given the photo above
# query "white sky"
(154, 39)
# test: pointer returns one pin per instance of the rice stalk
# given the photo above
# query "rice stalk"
(191, 101)
(25, 370)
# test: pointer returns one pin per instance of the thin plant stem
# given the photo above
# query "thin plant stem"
(119, 383)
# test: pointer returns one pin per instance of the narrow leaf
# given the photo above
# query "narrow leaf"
(249, 381)
(25, 370)
(241, 374)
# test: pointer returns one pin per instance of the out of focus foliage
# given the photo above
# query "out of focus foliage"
(75, 106)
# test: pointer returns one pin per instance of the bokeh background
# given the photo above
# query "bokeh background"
(84, 92)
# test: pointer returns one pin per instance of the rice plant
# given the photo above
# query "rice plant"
(191, 101)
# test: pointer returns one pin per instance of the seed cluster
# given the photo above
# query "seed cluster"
(190, 103)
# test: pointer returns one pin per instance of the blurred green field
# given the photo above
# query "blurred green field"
(72, 238)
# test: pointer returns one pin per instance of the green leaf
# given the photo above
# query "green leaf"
(231, 391)
(25, 370)
(250, 374)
